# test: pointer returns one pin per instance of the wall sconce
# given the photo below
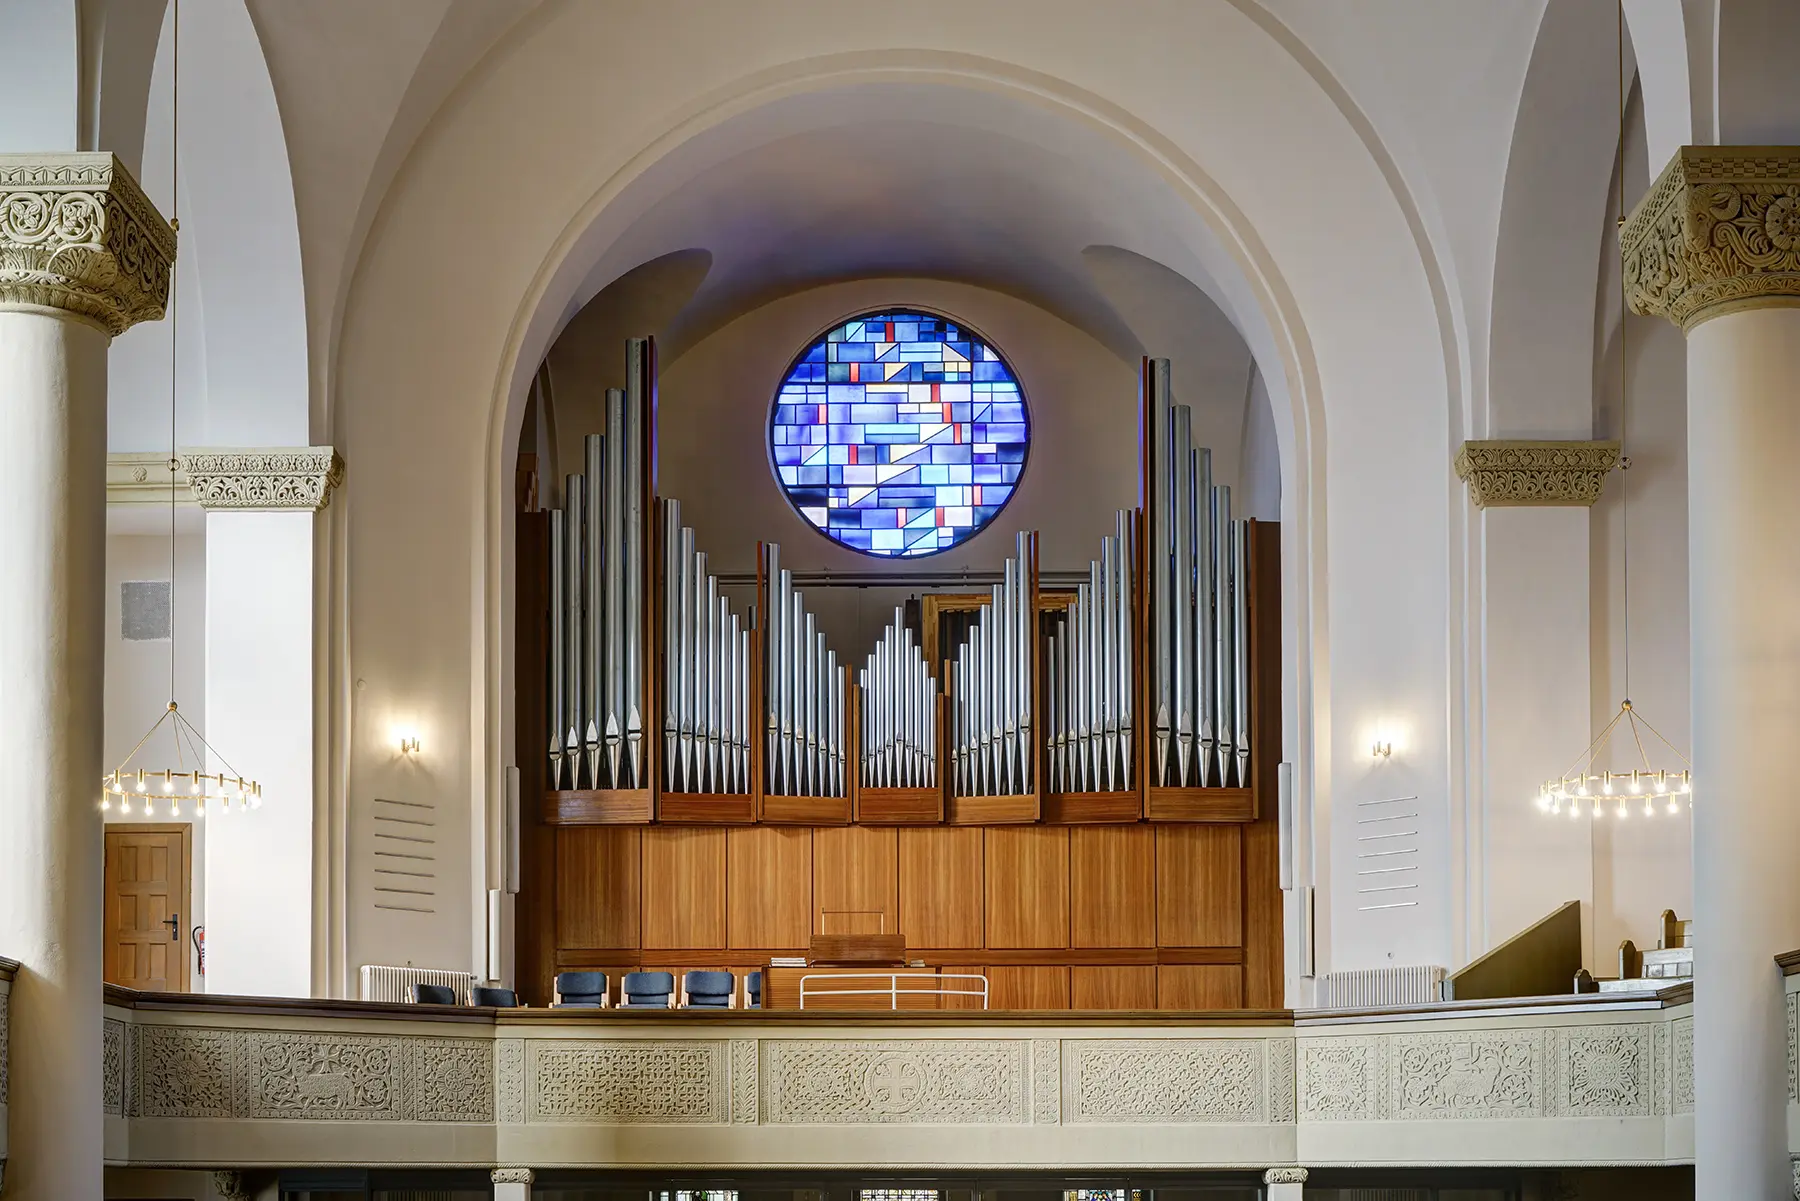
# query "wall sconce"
(409, 744)
(1382, 749)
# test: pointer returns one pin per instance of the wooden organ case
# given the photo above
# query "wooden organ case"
(1085, 857)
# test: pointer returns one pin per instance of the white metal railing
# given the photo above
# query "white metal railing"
(893, 991)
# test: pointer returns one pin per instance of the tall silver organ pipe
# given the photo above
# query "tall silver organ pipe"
(995, 747)
(1199, 635)
(597, 604)
(898, 713)
(1090, 673)
(707, 666)
(804, 692)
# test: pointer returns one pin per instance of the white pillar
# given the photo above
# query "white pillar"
(260, 866)
(1279, 1184)
(512, 1184)
(57, 318)
(1735, 298)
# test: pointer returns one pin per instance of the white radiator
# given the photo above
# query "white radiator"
(390, 983)
(1379, 986)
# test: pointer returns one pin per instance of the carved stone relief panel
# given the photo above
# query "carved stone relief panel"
(5, 1038)
(1477, 1074)
(940, 1081)
(186, 1073)
(1682, 1030)
(743, 1080)
(452, 1079)
(1281, 1079)
(509, 1080)
(112, 1067)
(1340, 1079)
(1602, 1071)
(1163, 1080)
(1046, 1081)
(622, 1081)
(308, 1076)
(1793, 1045)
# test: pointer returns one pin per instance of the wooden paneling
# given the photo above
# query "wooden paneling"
(940, 886)
(1199, 886)
(1264, 972)
(855, 886)
(147, 914)
(1112, 987)
(1199, 986)
(1028, 886)
(683, 887)
(1112, 886)
(770, 887)
(597, 887)
(534, 914)
(1028, 988)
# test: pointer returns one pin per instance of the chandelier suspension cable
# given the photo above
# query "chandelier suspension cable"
(1624, 391)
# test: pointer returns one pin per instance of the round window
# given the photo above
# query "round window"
(899, 433)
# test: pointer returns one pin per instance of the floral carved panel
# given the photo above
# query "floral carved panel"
(627, 1082)
(452, 1079)
(1493, 1074)
(509, 1080)
(187, 1073)
(743, 1080)
(1683, 1031)
(1046, 1081)
(948, 1081)
(1281, 1079)
(1340, 1079)
(1603, 1071)
(313, 1076)
(1164, 1080)
(112, 1067)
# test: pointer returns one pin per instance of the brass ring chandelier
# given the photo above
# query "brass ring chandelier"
(1582, 789)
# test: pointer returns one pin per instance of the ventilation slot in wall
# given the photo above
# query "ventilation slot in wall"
(144, 610)
(405, 856)
(1387, 853)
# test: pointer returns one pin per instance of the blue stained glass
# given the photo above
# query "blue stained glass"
(899, 433)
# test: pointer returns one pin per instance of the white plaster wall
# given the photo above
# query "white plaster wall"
(137, 680)
(259, 656)
(1258, 492)
(40, 61)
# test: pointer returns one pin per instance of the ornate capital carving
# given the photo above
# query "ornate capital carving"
(1503, 474)
(283, 478)
(1285, 1176)
(511, 1176)
(1719, 231)
(78, 234)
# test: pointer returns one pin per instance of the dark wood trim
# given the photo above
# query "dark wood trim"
(1080, 808)
(993, 810)
(1065, 1020)
(1789, 962)
(9, 968)
(899, 806)
(806, 810)
(1668, 998)
(534, 909)
(1200, 805)
(706, 808)
(127, 998)
(597, 807)
(570, 959)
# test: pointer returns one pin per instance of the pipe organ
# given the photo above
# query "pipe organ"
(1129, 697)
(806, 734)
(898, 712)
(706, 660)
(1090, 673)
(994, 694)
(1199, 632)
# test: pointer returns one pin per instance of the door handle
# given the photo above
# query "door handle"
(174, 925)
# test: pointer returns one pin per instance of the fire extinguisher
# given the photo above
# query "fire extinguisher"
(200, 947)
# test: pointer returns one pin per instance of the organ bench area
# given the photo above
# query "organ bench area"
(1137, 870)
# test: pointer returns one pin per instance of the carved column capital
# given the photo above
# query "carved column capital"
(1718, 231)
(1285, 1176)
(77, 234)
(511, 1176)
(298, 477)
(1507, 473)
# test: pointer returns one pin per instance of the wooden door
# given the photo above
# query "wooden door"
(148, 913)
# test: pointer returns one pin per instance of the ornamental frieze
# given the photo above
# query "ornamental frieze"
(1718, 231)
(300, 477)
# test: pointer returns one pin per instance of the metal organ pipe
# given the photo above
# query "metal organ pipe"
(992, 715)
(707, 654)
(1090, 673)
(899, 705)
(559, 682)
(805, 694)
(1199, 632)
(580, 775)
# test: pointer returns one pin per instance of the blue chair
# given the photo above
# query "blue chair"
(753, 990)
(499, 998)
(581, 990)
(431, 994)
(647, 990)
(709, 990)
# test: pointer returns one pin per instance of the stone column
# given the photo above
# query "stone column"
(512, 1184)
(1279, 1184)
(260, 515)
(1715, 247)
(83, 256)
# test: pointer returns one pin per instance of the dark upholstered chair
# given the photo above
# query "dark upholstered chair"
(499, 998)
(581, 990)
(709, 990)
(431, 994)
(647, 990)
(753, 990)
